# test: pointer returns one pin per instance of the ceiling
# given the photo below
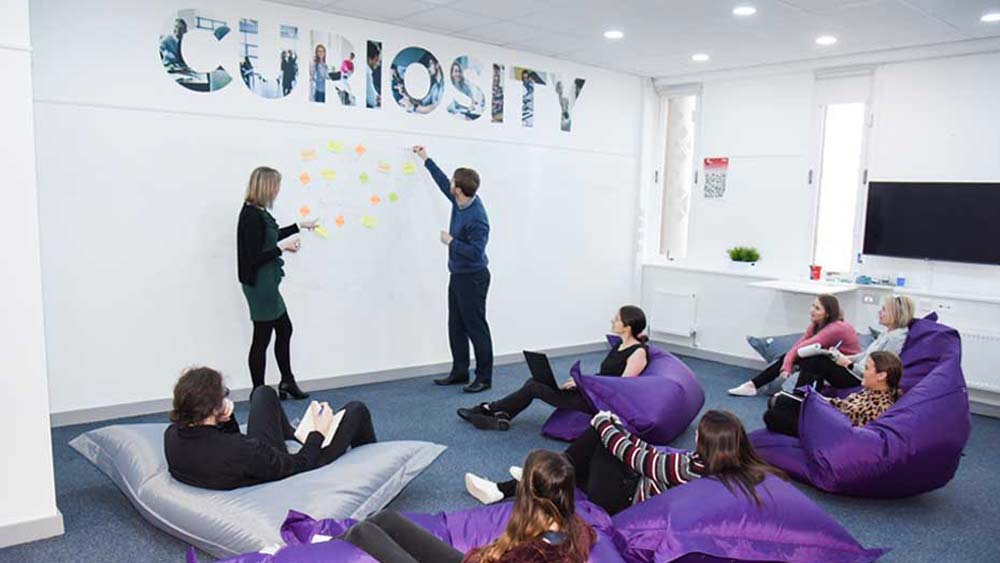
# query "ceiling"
(661, 35)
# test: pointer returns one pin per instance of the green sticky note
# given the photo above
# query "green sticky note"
(393, 196)
(335, 147)
(368, 221)
(364, 178)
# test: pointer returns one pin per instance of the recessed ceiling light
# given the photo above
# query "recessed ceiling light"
(700, 57)
(992, 17)
(744, 11)
(613, 34)
(826, 40)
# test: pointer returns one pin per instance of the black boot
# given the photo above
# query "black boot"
(452, 379)
(478, 409)
(286, 388)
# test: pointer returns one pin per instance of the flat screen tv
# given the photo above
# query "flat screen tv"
(955, 222)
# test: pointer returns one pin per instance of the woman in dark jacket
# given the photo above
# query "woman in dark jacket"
(260, 271)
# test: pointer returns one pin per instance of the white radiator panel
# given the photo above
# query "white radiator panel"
(673, 313)
(980, 360)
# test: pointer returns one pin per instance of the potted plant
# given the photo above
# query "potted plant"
(743, 257)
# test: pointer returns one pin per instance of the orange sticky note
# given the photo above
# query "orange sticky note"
(360, 149)
(328, 174)
(308, 154)
(384, 167)
(339, 221)
(305, 211)
(304, 178)
(375, 200)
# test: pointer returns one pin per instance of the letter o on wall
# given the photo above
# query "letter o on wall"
(400, 64)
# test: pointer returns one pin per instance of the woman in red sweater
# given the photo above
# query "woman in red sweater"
(543, 526)
(827, 328)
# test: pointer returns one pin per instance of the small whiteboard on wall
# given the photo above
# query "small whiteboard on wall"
(674, 313)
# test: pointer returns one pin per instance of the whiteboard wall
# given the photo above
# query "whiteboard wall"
(140, 183)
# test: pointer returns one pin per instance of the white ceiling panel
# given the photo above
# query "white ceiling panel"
(661, 35)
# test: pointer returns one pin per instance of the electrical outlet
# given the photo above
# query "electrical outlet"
(868, 299)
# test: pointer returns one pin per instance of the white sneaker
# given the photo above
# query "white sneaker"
(484, 490)
(515, 472)
(745, 390)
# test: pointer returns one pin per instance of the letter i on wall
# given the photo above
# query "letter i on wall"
(373, 68)
(497, 113)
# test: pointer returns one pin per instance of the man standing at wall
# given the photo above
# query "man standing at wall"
(466, 238)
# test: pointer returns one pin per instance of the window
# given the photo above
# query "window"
(839, 183)
(678, 170)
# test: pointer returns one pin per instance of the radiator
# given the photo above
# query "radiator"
(980, 358)
(673, 313)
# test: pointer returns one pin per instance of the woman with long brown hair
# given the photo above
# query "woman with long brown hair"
(617, 469)
(543, 526)
(827, 329)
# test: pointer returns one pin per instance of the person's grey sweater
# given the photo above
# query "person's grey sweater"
(888, 341)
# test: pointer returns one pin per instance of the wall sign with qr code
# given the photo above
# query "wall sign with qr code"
(715, 177)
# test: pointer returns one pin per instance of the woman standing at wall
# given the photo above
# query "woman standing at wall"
(260, 271)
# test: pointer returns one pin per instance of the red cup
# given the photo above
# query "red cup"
(814, 272)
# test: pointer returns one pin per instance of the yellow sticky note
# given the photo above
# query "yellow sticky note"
(393, 197)
(304, 211)
(364, 178)
(321, 231)
(409, 168)
(328, 174)
(368, 221)
(375, 200)
(308, 154)
(384, 167)
(304, 178)
(360, 150)
(335, 147)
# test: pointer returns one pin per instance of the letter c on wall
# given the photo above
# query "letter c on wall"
(172, 54)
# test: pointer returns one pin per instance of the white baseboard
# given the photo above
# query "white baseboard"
(32, 530)
(98, 414)
(701, 354)
(986, 403)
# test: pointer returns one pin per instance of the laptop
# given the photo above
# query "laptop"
(541, 369)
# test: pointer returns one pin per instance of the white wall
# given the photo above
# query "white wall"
(28, 510)
(140, 183)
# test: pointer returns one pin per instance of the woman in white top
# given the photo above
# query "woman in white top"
(844, 371)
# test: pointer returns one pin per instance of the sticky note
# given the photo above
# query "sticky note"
(305, 211)
(308, 154)
(393, 197)
(321, 231)
(368, 221)
(328, 174)
(409, 168)
(375, 200)
(360, 149)
(364, 178)
(339, 221)
(304, 178)
(384, 167)
(335, 147)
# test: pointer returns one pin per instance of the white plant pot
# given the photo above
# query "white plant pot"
(742, 266)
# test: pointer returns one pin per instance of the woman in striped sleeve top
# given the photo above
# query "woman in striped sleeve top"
(617, 469)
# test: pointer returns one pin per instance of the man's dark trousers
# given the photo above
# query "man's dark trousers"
(467, 321)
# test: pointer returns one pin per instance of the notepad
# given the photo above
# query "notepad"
(308, 424)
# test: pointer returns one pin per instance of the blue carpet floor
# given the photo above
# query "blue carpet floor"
(958, 523)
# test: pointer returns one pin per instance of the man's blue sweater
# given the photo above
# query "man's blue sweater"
(469, 228)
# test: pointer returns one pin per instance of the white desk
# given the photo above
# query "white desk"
(806, 287)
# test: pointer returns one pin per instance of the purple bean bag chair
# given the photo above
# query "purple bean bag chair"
(703, 522)
(465, 530)
(656, 406)
(913, 448)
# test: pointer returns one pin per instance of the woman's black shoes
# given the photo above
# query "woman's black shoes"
(483, 419)
(286, 388)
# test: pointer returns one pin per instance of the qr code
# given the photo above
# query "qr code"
(715, 184)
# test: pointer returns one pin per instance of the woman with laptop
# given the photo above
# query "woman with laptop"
(628, 359)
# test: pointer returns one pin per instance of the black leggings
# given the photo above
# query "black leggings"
(268, 423)
(770, 373)
(392, 538)
(282, 327)
(817, 370)
(519, 400)
(608, 482)
(782, 415)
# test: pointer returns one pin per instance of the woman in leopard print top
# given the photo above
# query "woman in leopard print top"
(883, 371)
